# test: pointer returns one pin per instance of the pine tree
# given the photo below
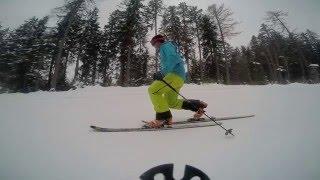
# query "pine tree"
(177, 26)
(259, 56)
(76, 45)
(4, 33)
(186, 41)
(171, 25)
(133, 52)
(196, 16)
(311, 43)
(238, 68)
(91, 51)
(226, 25)
(73, 51)
(278, 19)
(209, 48)
(27, 55)
(268, 51)
(110, 47)
(72, 7)
(153, 11)
(250, 64)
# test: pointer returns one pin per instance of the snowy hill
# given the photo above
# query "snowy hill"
(46, 135)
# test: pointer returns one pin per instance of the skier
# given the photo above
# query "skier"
(162, 96)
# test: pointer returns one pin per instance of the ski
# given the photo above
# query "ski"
(101, 129)
(202, 120)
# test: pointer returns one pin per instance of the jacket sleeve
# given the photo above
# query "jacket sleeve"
(170, 59)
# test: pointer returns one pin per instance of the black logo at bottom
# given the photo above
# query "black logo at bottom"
(167, 171)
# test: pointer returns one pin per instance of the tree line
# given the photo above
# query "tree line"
(77, 52)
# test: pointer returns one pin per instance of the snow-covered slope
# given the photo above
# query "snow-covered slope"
(46, 135)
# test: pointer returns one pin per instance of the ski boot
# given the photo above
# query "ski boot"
(195, 105)
(158, 124)
(162, 120)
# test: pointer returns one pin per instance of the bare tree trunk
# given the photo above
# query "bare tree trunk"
(128, 68)
(249, 71)
(224, 47)
(188, 64)
(216, 60)
(104, 72)
(50, 73)
(94, 72)
(200, 56)
(157, 51)
(76, 71)
(273, 65)
(121, 80)
(287, 69)
(186, 49)
(303, 62)
(65, 67)
(227, 62)
(274, 54)
(270, 67)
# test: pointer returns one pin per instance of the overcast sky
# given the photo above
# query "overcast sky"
(303, 14)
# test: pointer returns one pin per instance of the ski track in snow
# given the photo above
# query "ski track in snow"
(46, 135)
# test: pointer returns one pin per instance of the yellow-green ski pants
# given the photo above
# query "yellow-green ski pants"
(162, 96)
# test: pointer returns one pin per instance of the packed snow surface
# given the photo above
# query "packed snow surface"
(46, 135)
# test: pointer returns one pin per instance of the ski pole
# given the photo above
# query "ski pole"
(228, 131)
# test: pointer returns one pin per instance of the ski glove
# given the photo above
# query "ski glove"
(158, 76)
